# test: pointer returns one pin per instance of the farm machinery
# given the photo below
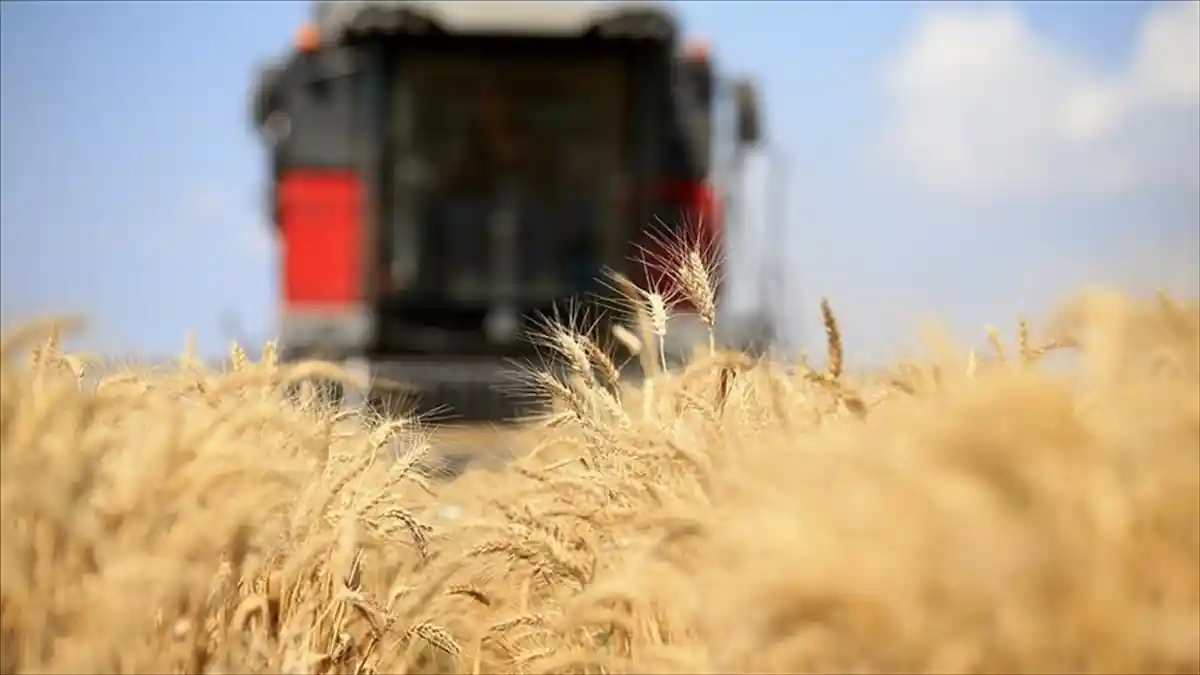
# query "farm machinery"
(445, 173)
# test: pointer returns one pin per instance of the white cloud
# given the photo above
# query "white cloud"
(981, 107)
(1167, 62)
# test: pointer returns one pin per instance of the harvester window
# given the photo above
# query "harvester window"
(535, 142)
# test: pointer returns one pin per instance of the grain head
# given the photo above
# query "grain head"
(952, 514)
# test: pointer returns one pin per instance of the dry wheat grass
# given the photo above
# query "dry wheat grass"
(962, 513)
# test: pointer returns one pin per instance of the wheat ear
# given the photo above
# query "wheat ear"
(833, 339)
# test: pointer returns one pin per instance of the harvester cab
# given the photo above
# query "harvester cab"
(444, 173)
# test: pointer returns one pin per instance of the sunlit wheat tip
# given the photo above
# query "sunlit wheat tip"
(833, 339)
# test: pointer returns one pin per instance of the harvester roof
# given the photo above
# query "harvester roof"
(338, 20)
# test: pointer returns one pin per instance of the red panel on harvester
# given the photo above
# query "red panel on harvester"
(700, 208)
(320, 220)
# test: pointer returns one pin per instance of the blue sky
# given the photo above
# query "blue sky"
(962, 160)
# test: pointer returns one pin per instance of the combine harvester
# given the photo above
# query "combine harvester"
(445, 172)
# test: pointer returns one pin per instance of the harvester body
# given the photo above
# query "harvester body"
(444, 173)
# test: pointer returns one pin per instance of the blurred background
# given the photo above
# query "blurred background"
(969, 161)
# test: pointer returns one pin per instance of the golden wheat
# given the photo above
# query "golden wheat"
(951, 515)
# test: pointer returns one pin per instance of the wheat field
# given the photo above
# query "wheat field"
(961, 513)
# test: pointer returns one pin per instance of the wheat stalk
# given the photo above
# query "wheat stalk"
(993, 338)
(237, 357)
(698, 286)
(627, 339)
(658, 326)
(638, 301)
(1023, 348)
(833, 339)
(435, 635)
(602, 362)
